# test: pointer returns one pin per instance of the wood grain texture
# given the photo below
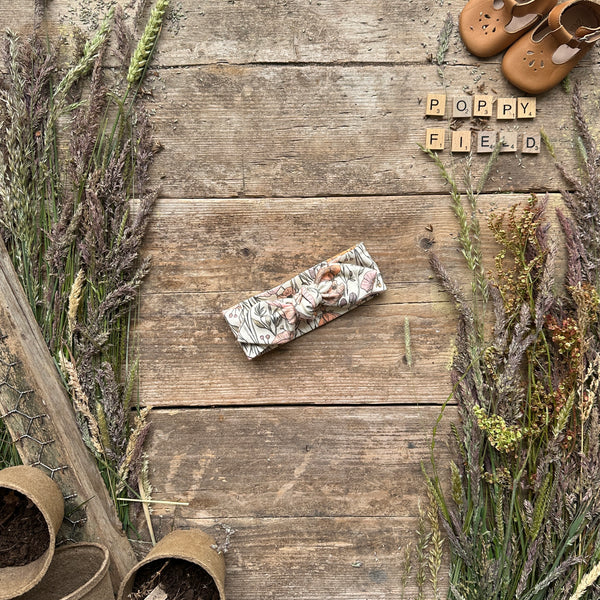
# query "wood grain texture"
(190, 358)
(294, 31)
(313, 558)
(33, 386)
(294, 461)
(288, 131)
(276, 31)
(210, 254)
(322, 500)
(19, 20)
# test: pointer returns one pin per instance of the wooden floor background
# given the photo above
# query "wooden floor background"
(290, 132)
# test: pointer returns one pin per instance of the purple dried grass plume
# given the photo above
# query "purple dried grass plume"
(75, 215)
(523, 519)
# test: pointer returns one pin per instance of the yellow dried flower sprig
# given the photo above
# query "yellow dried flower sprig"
(503, 437)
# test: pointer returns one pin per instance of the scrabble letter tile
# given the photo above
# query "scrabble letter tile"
(531, 143)
(486, 140)
(509, 141)
(483, 105)
(435, 139)
(461, 141)
(526, 108)
(507, 108)
(436, 105)
(462, 107)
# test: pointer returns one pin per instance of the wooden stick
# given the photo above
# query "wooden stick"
(40, 418)
(150, 501)
(147, 512)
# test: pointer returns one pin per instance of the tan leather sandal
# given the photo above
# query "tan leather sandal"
(543, 58)
(489, 26)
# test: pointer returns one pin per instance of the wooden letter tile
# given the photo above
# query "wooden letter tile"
(435, 139)
(507, 108)
(436, 105)
(509, 141)
(486, 140)
(461, 141)
(531, 143)
(462, 106)
(526, 108)
(483, 105)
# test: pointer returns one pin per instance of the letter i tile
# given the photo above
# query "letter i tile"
(461, 141)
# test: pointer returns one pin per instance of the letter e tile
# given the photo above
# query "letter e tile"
(486, 140)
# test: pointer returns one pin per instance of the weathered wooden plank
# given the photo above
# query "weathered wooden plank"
(345, 558)
(18, 19)
(294, 461)
(293, 31)
(250, 245)
(287, 31)
(209, 254)
(289, 131)
(39, 415)
(189, 357)
(322, 501)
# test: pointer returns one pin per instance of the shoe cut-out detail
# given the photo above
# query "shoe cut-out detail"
(489, 26)
(541, 59)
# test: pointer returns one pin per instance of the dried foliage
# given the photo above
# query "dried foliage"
(522, 514)
(72, 164)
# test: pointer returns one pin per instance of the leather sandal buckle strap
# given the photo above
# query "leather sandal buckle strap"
(523, 9)
(589, 36)
(584, 34)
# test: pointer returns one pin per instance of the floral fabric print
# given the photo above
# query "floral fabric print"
(305, 302)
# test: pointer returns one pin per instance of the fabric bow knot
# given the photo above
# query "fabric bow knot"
(306, 301)
(283, 315)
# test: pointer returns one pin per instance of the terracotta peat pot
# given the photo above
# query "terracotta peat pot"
(77, 572)
(31, 512)
(190, 546)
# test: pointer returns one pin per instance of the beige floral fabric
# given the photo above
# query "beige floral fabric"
(305, 302)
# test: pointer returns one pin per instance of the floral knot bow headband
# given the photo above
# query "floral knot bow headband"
(305, 302)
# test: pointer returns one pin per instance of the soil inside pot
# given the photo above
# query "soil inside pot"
(24, 534)
(180, 580)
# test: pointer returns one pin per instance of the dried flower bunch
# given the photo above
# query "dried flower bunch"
(522, 513)
(75, 152)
